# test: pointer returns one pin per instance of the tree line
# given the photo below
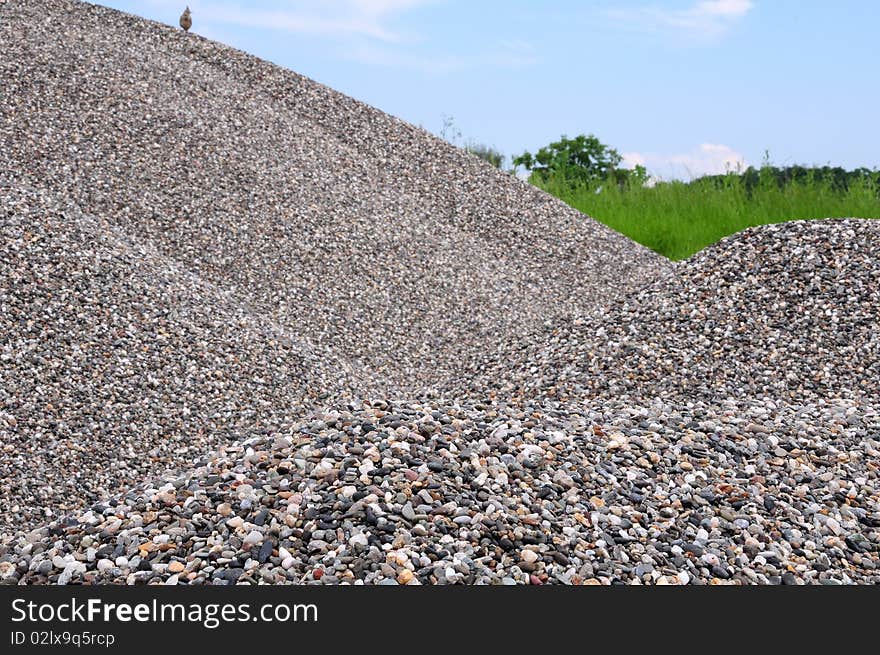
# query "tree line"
(585, 160)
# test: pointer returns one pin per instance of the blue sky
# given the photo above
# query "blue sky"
(685, 87)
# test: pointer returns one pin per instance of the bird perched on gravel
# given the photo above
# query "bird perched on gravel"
(186, 20)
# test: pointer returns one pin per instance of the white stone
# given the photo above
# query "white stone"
(711, 559)
(358, 539)
(529, 556)
(834, 526)
(323, 469)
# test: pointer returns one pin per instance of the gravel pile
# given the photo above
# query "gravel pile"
(253, 331)
(232, 187)
(787, 311)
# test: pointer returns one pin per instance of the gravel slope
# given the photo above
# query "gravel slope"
(679, 484)
(253, 331)
(116, 364)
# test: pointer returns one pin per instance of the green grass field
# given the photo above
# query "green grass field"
(676, 219)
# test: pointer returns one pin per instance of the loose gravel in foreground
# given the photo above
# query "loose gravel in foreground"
(253, 331)
(432, 493)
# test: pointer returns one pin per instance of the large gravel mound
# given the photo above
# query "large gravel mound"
(344, 224)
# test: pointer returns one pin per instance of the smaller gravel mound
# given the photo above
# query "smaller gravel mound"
(788, 311)
(439, 494)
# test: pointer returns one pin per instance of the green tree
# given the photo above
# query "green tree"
(633, 177)
(583, 159)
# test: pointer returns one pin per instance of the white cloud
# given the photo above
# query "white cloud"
(733, 8)
(377, 56)
(702, 22)
(705, 159)
(372, 19)
(633, 159)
